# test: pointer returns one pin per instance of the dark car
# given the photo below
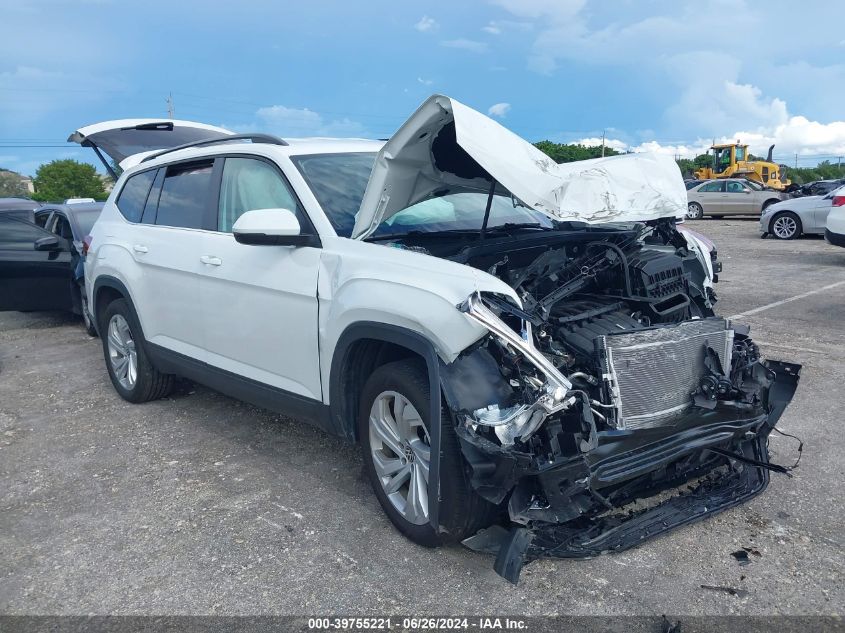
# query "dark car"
(41, 259)
(22, 208)
(819, 187)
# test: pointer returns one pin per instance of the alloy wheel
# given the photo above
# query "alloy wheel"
(785, 227)
(401, 453)
(694, 211)
(122, 354)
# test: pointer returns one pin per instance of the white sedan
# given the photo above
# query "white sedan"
(792, 218)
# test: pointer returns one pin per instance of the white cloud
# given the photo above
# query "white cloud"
(499, 110)
(794, 135)
(299, 122)
(468, 45)
(492, 29)
(424, 82)
(426, 24)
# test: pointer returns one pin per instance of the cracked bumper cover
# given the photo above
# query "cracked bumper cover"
(588, 499)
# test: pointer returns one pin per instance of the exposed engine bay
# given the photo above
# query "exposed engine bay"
(612, 382)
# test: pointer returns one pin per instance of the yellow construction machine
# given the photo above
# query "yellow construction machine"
(731, 161)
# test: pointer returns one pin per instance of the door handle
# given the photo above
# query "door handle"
(138, 248)
(211, 261)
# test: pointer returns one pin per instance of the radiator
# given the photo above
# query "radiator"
(652, 374)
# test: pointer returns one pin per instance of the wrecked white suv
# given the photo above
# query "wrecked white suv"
(522, 349)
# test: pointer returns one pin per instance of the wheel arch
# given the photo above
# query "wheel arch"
(780, 212)
(106, 290)
(361, 348)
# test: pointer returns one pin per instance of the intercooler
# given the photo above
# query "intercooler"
(651, 374)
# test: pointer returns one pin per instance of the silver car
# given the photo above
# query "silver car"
(730, 196)
(792, 218)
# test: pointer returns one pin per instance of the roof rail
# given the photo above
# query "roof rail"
(255, 138)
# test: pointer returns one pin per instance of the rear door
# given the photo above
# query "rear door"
(173, 209)
(710, 195)
(120, 139)
(35, 267)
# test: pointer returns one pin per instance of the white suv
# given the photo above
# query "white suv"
(517, 345)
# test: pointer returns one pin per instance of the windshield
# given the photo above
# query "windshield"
(756, 186)
(338, 181)
(463, 211)
(85, 220)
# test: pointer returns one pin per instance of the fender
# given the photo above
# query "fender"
(418, 344)
(107, 281)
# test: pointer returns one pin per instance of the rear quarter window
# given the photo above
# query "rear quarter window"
(185, 195)
(134, 194)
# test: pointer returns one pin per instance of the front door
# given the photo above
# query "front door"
(35, 269)
(738, 199)
(260, 302)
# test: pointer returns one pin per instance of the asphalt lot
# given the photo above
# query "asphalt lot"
(199, 504)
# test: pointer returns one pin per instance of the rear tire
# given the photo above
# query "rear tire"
(694, 211)
(785, 226)
(131, 372)
(462, 511)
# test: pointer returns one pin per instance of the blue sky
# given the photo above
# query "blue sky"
(663, 75)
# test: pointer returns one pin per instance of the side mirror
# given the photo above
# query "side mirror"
(49, 243)
(270, 227)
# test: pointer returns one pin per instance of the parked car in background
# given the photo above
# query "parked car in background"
(818, 187)
(41, 260)
(799, 216)
(730, 196)
(22, 208)
(689, 184)
(834, 231)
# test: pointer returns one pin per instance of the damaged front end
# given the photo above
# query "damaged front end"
(611, 386)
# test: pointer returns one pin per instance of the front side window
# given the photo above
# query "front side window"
(338, 181)
(19, 235)
(249, 184)
(185, 194)
(735, 187)
(131, 200)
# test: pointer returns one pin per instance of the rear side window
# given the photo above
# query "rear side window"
(131, 200)
(713, 186)
(185, 194)
(19, 235)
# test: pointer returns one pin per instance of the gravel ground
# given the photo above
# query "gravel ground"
(199, 504)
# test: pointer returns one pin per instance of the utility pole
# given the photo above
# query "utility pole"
(796, 160)
(840, 164)
(602, 142)
(171, 110)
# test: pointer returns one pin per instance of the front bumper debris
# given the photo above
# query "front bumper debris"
(628, 487)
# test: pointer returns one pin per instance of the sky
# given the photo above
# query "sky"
(659, 75)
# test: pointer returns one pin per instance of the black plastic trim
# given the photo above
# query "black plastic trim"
(418, 344)
(255, 138)
(258, 393)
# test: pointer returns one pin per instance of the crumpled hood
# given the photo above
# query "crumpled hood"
(446, 144)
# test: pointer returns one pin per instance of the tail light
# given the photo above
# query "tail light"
(838, 201)
(86, 245)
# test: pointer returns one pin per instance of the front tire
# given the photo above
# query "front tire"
(785, 225)
(393, 425)
(694, 211)
(131, 372)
